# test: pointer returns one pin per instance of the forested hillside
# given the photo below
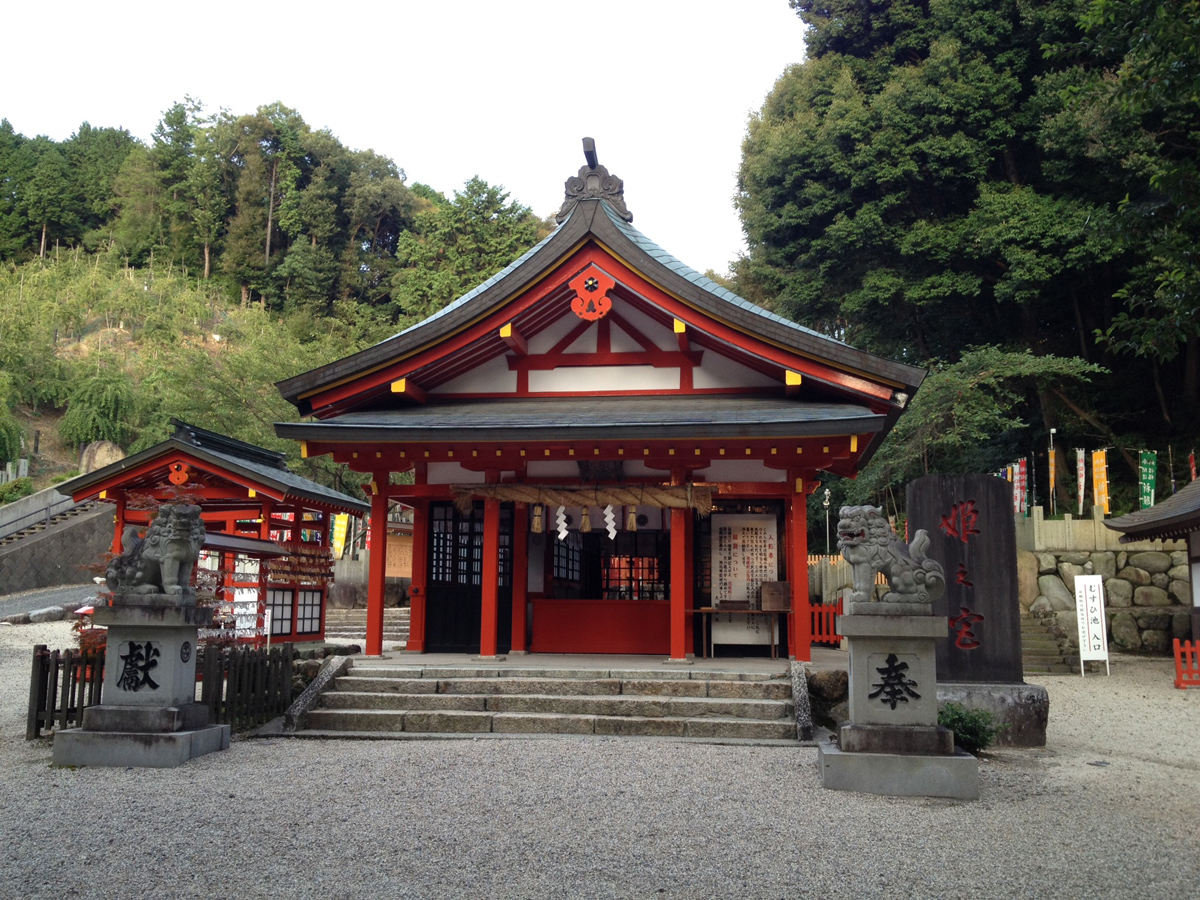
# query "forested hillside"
(1007, 192)
(185, 276)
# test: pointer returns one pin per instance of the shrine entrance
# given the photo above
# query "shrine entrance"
(455, 586)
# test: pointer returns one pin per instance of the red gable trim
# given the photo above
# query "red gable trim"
(348, 394)
(120, 480)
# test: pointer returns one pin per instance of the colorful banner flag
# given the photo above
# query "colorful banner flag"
(1023, 486)
(1053, 487)
(1100, 479)
(1147, 476)
(1081, 475)
(1192, 463)
(341, 524)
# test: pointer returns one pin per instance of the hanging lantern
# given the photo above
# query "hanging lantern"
(631, 518)
(585, 521)
(538, 524)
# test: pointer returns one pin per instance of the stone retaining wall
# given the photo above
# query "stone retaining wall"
(1148, 594)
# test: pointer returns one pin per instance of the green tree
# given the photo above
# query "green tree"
(100, 408)
(49, 197)
(456, 245)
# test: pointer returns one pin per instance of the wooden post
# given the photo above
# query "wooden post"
(520, 574)
(377, 565)
(420, 569)
(490, 611)
(680, 577)
(800, 623)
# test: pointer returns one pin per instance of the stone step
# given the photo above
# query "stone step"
(645, 706)
(476, 722)
(568, 686)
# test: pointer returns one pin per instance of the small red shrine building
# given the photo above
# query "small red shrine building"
(268, 527)
(604, 447)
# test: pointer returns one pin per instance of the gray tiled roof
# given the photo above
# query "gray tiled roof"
(1174, 517)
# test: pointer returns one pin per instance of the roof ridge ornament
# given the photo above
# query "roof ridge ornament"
(593, 183)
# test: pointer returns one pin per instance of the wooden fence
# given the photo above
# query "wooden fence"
(824, 623)
(240, 686)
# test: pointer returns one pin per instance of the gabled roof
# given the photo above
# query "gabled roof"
(1175, 517)
(595, 220)
(237, 460)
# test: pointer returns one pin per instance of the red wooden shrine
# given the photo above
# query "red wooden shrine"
(268, 527)
(602, 443)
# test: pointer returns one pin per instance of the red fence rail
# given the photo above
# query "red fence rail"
(824, 623)
(1187, 663)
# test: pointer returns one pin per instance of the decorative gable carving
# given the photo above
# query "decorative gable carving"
(593, 183)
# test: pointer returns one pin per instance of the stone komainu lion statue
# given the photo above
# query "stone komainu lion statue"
(161, 562)
(870, 545)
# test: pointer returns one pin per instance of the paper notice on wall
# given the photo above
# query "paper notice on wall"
(745, 553)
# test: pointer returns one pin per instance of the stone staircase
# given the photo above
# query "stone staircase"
(38, 527)
(350, 625)
(380, 701)
(1040, 653)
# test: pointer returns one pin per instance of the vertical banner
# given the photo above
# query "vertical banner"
(1080, 475)
(1100, 479)
(1147, 476)
(1010, 475)
(1089, 610)
(1053, 473)
(341, 524)
(1023, 485)
(1192, 463)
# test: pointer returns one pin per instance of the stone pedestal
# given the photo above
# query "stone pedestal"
(892, 743)
(149, 717)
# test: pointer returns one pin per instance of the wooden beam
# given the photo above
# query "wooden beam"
(513, 338)
(406, 388)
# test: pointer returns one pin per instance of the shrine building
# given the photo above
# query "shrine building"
(606, 451)
(268, 528)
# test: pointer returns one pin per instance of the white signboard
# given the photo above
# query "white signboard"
(1089, 608)
(745, 553)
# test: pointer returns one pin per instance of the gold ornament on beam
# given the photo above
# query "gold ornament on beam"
(538, 523)
(585, 521)
(631, 518)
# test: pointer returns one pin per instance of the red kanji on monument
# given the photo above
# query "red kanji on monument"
(961, 521)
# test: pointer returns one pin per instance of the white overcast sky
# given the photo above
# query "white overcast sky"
(448, 90)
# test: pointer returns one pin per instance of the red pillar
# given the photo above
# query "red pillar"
(377, 565)
(420, 569)
(490, 612)
(800, 621)
(119, 525)
(520, 574)
(680, 579)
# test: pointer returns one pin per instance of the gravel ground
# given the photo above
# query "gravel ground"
(1107, 809)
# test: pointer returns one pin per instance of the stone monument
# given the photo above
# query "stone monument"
(892, 743)
(970, 518)
(149, 717)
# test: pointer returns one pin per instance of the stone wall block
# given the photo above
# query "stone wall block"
(1118, 592)
(1027, 576)
(1125, 633)
(1067, 572)
(1041, 607)
(1104, 562)
(1047, 563)
(1056, 592)
(1159, 622)
(1148, 595)
(1179, 558)
(1180, 573)
(1122, 559)
(1153, 561)
(1156, 641)
(1134, 575)
(1074, 558)
(1181, 626)
(1068, 624)
(1159, 580)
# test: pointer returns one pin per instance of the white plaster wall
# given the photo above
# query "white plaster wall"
(740, 470)
(660, 335)
(717, 371)
(546, 339)
(492, 377)
(605, 378)
(453, 473)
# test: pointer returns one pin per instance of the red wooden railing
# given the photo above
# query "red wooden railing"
(824, 623)
(1187, 663)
